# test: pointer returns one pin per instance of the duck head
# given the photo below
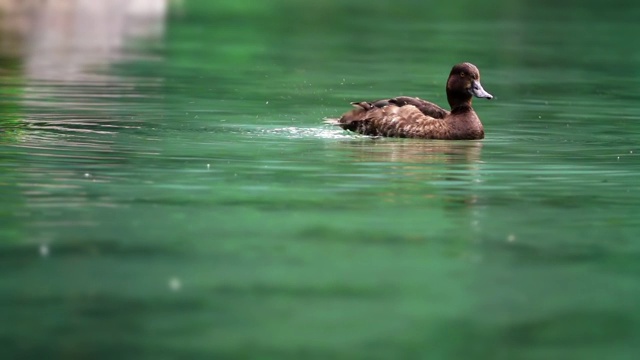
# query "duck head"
(463, 84)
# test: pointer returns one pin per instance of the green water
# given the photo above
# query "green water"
(177, 195)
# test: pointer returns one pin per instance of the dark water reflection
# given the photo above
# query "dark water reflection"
(167, 187)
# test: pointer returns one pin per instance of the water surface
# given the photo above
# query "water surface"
(168, 189)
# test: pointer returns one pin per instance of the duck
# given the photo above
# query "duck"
(412, 117)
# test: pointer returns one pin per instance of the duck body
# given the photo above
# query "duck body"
(412, 117)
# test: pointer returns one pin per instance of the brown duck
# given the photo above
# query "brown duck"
(410, 117)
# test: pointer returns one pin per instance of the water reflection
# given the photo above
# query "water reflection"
(67, 105)
(64, 31)
(451, 165)
(63, 85)
(412, 151)
(65, 50)
(427, 176)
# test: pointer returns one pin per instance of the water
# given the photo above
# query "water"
(168, 188)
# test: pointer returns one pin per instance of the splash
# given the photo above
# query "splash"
(315, 132)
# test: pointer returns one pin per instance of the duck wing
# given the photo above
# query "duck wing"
(426, 107)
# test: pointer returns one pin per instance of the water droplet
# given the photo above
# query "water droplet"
(511, 238)
(87, 175)
(208, 166)
(175, 284)
(44, 250)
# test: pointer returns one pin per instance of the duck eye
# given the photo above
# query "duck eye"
(462, 74)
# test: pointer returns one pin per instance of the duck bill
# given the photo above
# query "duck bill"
(478, 91)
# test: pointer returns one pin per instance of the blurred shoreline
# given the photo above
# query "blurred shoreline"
(60, 39)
